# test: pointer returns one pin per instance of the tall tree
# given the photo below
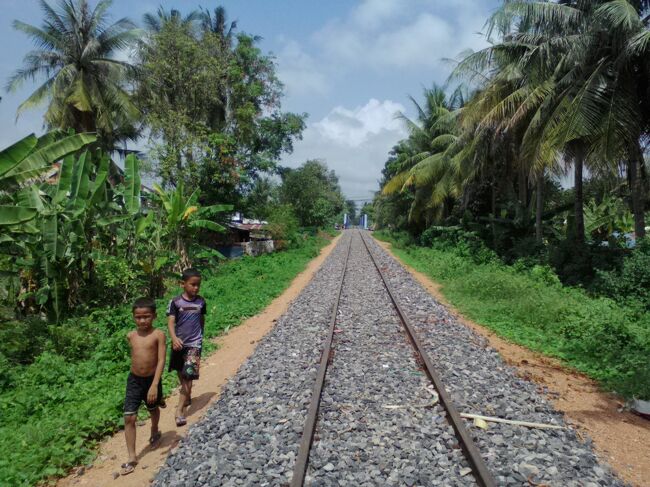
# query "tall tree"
(314, 193)
(212, 101)
(84, 82)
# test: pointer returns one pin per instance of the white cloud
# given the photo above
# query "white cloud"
(383, 34)
(354, 142)
(371, 13)
(299, 72)
(355, 127)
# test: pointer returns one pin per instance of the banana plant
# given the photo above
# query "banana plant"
(184, 217)
(26, 160)
(67, 220)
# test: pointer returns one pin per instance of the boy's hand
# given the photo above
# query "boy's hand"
(177, 343)
(152, 395)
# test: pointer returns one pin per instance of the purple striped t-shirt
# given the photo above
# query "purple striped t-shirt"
(188, 319)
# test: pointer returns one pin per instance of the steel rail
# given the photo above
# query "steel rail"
(300, 467)
(481, 473)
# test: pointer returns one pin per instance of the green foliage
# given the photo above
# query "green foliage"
(212, 102)
(314, 193)
(466, 243)
(262, 198)
(82, 84)
(184, 218)
(283, 225)
(528, 305)
(117, 277)
(631, 284)
(53, 411)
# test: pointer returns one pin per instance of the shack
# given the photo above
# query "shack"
(246, 236)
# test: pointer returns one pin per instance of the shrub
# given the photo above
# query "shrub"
(116, 280)
(632, 281)
(466, 243)
(283, 225)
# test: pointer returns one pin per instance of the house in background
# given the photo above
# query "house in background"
(245, 236)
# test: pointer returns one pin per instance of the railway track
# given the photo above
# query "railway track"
(380, 420)
(482, 475)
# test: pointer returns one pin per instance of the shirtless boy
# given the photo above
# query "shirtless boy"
(144, 381)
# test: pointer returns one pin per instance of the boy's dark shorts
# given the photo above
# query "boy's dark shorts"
(187, 361)
(136, 393)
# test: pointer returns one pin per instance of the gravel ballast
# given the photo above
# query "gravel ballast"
(375, 425)
(376, 422)
(481, 383)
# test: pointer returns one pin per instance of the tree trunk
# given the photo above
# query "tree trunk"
(493, 205)
(184, 258)
(638, 191)
(539, 208)
(523, 187)
(578, 163)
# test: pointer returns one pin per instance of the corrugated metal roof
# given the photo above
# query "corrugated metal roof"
(248, 226)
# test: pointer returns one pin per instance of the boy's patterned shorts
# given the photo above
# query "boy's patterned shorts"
(187, 361)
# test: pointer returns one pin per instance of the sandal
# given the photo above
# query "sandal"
(181, 421)
(155, 438)
(128, 467)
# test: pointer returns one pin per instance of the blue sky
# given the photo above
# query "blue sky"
(349, 64)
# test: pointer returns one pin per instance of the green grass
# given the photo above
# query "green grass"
(57, 408)
(606, 340)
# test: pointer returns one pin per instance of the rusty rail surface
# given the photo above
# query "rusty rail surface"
(302, 460)
(481, 472)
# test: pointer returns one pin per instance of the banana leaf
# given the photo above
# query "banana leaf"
(43, 158)
(132, 184)
(99, 186)
(65, 180)
(207, 224)
(50, 233)
(110, 220)
(142, 223)
(30, 197)
(80, 186)
(13, 215)
(16, 153)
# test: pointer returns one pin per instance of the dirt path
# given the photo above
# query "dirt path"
(234, 348)
(621, 439)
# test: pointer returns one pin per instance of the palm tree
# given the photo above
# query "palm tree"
(84, 83)
(218, 25)
(155, 22)
(425, 166)
(599, 111)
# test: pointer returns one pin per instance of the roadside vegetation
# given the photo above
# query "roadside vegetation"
(82, 234)
(525, 183)
(608, 339)
(55, 410)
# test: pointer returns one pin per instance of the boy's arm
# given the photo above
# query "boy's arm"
(152, 394)
(204, 310)
(177, 343)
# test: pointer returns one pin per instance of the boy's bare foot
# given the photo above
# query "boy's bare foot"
(128, 467)
(155, 438)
